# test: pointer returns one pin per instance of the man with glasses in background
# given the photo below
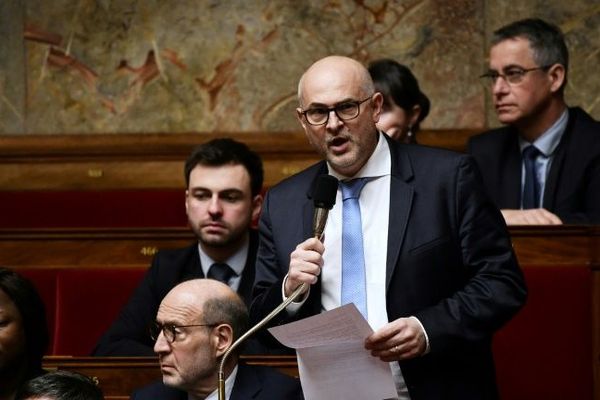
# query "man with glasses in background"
(412, 240)
(196, 323)
(543, 167)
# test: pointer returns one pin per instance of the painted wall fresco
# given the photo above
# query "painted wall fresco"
(102, 66)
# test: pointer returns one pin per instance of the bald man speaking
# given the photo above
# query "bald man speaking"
(413, 241)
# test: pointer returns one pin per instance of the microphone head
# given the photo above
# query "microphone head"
(325, 191)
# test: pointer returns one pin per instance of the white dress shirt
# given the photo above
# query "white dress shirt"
(374, 198)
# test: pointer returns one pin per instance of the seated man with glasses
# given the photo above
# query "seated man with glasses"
(543, 168)
(197, 322)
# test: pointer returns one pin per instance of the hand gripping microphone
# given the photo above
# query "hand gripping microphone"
(324, 200)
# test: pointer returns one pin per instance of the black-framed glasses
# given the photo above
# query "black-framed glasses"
(345, 111)
(170, 331)
(512, 76)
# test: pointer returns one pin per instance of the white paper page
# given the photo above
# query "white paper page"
(341, 324)
(332, 360)
(344, 371)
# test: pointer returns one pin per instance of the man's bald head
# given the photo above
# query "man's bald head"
(335, 68)
(209, 300)
(339, 91)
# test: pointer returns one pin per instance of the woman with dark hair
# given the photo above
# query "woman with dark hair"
(23, 332)
(404, 105)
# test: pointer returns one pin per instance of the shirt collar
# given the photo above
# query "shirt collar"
(236, 262)
(228, 387)
(379, 164)
(549, 140)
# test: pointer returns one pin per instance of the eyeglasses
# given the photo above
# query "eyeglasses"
(345, 111)
(170, 331)
(512, 76)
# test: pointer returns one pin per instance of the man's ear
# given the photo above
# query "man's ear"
(557, 76)
(256, 206)
(300, 117)
(223, 338)
(187, 197)
(377, 101)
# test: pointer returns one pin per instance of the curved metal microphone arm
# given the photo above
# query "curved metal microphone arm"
(252, 330)
(327, 191)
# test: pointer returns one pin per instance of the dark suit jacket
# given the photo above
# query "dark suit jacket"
(251, 382)
(573, 186)
(449, 263)
(129, 335)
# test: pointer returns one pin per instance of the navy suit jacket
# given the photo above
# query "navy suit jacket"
(251, 382)
(128, 335)
(449, 263)
(573, 185)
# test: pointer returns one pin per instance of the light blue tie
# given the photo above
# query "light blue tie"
(354, 289)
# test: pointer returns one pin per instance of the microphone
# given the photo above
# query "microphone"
(324, 200)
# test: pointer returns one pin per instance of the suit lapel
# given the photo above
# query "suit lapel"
(193, 269)
(510, 177)
(401, 197)
(247, 384)
(247, 281)
(550, 189)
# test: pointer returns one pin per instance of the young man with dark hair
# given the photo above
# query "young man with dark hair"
(224, 179)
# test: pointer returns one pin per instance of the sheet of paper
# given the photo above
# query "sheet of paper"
(332, 360)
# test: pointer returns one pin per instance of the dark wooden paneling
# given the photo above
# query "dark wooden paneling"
(143, 161)
(72, 248)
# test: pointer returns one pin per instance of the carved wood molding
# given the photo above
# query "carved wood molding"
(178, 145)
(148, 161)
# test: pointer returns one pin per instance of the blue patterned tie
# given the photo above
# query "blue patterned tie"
(531, 189)
(354, 289)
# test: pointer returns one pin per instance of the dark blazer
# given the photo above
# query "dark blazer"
(573, 187)
(449, 263)
(128, 335)
(251, 382)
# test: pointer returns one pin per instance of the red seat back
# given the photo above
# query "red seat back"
(545, 352)
(98, 209)
(88, 301)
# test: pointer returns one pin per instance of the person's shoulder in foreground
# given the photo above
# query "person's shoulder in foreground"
(252, 382)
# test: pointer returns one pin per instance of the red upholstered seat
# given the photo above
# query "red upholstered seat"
(98, 209)
(545, 352)
(87, 302)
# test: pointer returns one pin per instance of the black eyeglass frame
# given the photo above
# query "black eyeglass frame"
(356, 103)
(169, 330)
(520, 73)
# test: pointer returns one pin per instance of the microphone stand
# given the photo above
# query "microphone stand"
(256, 327)
(327, 200)
(319, 224)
